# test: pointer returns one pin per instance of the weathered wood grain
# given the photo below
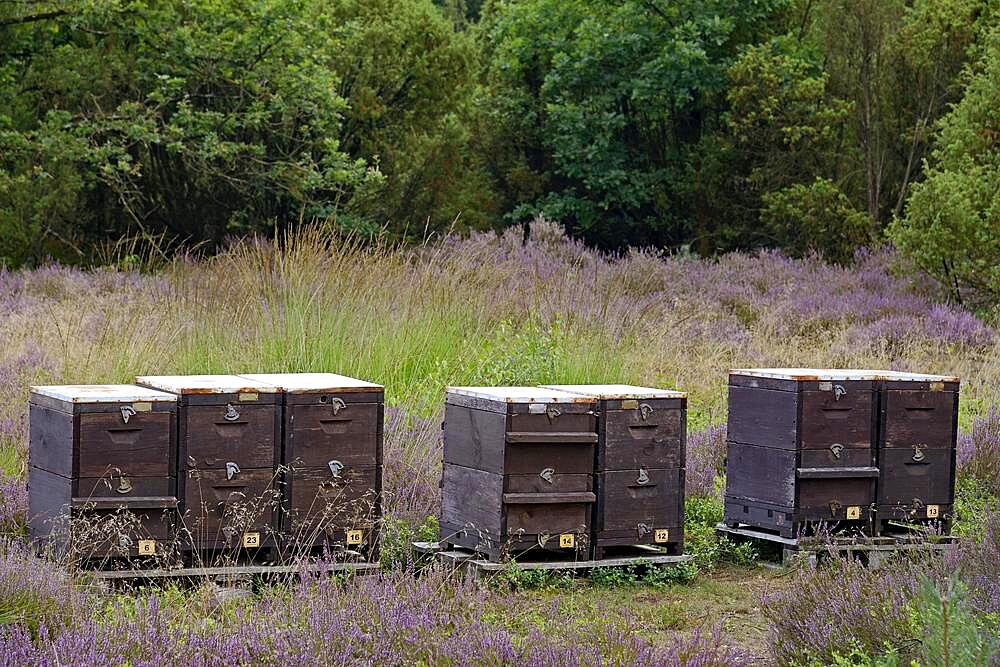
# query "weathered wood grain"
(763, 417)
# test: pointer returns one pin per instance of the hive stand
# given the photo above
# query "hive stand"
(872, 550)
(101, 472)
(229, 442)
(639, 467)
(333, 454)
(518, 471)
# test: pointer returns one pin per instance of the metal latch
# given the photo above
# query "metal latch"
(643, 477)
(231, 413)
(918, 453)
(645, 409)
(232, 469)
(337, 404)
(836, 449)
(335, 467)
(547, 474)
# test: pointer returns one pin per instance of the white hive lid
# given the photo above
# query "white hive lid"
(617, 391)
(305, 383)
(520, 394)
(206, 384)
(839, 374)
(102, 393)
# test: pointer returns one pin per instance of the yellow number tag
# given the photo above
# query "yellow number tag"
(567, 541)
(933, 511)
(661, 535)
(251, 540)
(147, 547)
(355, 537)
(854, 512)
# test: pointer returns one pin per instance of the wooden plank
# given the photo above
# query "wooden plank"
(474, 438)
(746, 531)
(833, 473)
(545, 498)
(488, 566)
(553, 437)
(139, 502)
(761, 473)
(235, 570)
(763, 417)
(472, 499)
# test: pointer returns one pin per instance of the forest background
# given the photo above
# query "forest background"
(700, 126)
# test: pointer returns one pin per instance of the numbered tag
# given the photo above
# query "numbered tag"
(661, 535)
(567, 541)
(854, 512)
(147, 547)
(251, 540)
(933, 511)
(630, 404)
(248, 396)
(355, 537)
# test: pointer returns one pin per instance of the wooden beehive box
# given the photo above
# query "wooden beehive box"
(801, 448)
(518, 469)
(229, 449)
(918, 430)
(333, 452)
(101, 470)
(639, 476)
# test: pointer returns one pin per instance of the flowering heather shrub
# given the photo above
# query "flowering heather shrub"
(13, 504)
(979, 452)
(841, 606)
(977, 561)
(706, 454)
(381, 619)
(34, 592)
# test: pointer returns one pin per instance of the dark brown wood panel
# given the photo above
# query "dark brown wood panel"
(908, 475)
(919, 417)
(220, 510)
(116, 533)
(50, 440)
(763, 417)
(761, 473)
(474, 438)
(837, 456)
(566, 422)
(142, 446)
(319, 500)
(627, 500)
(49, 498)
(547, 519)
(472, 499)
(831, 497)
(827, 420)
(215, 436)
(536, 458)
(119, 486)
(316, 435)
(631, 443)
(655, 405)
(554, 482)
(349, 398)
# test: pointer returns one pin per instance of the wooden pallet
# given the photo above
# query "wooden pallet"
(458, 557)
(234, 572)
(809, 549)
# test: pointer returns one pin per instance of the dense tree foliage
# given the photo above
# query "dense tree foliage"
(952, 221)
(805, 125)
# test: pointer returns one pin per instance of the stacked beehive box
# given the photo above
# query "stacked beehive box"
(229, 449)
(333, 456)
(918, 432)
(102, 472)
(518, 469)
(639, 472)
(809, 446)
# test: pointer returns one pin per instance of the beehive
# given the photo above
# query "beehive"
(801, 448)
(229, 449)
(101, 470)
(639, 473)
(518, 469)
(918, 430)
(333, 453)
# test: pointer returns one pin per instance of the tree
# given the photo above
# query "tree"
(951, 225)
(596, 108)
